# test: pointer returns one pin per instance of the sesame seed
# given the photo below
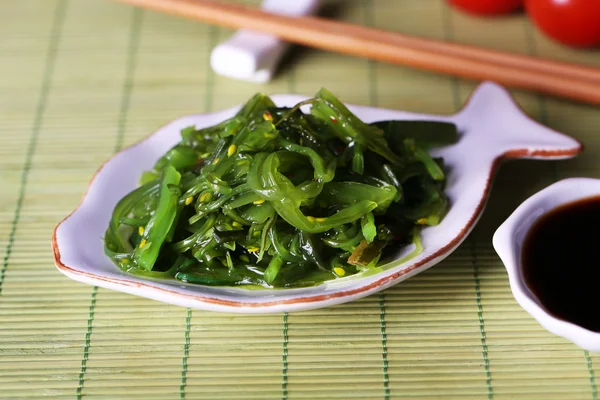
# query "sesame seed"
(216, 160)
(205, 197)
(422, 221)
(231, 150)
(311, 219)
(339, 271)
(236, 224)
(253, 249)
(267, 116)
(320, 219)
(143, 243)
(189, 200)
(141, 230)
(259, 201)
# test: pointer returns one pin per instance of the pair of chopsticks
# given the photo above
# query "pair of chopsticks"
(572, 81)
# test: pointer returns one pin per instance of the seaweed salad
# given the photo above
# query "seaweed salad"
(278, 197)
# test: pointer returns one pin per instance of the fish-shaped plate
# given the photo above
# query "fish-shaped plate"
(491, 128)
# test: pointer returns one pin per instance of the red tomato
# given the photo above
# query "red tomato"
(487, 7)
(572, 22)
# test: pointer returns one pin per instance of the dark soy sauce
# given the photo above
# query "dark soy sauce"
(561, 262)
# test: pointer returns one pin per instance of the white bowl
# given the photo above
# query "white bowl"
(491, 126)
(508, 242)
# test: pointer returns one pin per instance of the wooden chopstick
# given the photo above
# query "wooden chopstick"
(512, 70)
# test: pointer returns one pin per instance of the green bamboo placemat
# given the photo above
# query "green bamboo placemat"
(79, 79)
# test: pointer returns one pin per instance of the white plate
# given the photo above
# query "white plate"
(491, 126)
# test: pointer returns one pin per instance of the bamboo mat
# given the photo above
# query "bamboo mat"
(80, 79)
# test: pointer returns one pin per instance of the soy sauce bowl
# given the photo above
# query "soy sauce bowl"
(508, 242)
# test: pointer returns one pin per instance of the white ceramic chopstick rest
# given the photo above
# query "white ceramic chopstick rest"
(253, 56)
